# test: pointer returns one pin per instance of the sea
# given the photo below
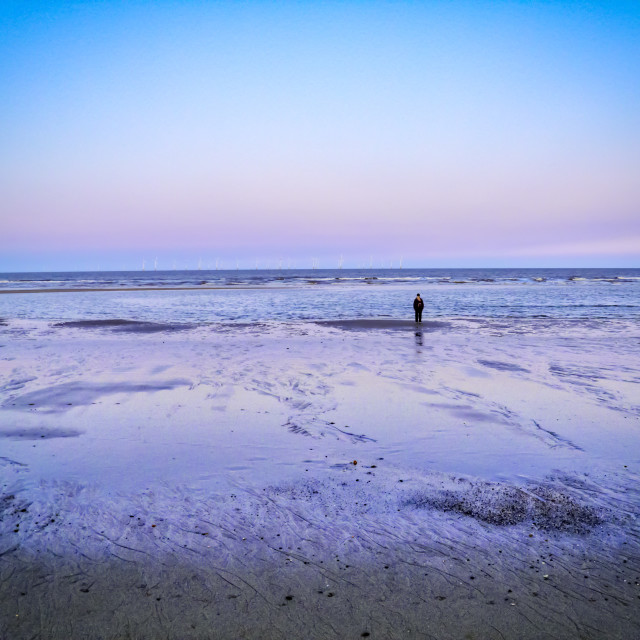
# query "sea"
(321, 294)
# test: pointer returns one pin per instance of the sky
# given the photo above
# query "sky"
(446, 133)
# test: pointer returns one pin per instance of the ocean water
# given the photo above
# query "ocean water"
(322, 294)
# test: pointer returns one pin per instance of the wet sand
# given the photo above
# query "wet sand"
(296, 480)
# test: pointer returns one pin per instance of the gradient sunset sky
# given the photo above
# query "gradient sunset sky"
(451, 133)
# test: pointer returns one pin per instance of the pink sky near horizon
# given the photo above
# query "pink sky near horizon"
(503, 133)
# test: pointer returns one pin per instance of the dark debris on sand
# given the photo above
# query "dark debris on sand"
(544, 507)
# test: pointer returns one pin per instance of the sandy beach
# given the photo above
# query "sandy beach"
(344, 479)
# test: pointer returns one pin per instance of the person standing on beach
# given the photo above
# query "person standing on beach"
(418, 306)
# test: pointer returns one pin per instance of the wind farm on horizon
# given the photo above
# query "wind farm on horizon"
(277, 264)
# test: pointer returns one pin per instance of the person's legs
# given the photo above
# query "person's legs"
(420, 315)
(417, 315)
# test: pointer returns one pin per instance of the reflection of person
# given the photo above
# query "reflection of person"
(418, 306)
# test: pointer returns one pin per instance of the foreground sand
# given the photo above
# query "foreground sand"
(337, 480)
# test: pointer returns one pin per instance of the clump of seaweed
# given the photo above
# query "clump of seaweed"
(544, 507)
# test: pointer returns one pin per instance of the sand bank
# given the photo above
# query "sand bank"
(124, 325)
(364, 324)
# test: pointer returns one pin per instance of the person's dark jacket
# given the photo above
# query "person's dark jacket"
(418, 304)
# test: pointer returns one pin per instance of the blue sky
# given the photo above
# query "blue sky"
(449, 133)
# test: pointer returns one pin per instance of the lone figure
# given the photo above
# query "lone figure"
(418, 306)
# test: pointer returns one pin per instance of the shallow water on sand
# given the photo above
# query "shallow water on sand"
(256, 404)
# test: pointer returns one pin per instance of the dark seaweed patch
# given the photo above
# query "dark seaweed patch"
(544, 507)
